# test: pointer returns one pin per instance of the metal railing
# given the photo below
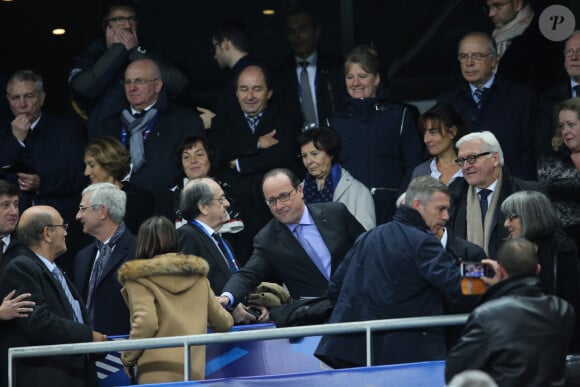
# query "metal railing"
(215, 338)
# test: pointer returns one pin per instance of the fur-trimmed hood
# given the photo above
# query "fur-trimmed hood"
(174, 272)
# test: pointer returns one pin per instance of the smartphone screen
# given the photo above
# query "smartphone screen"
(472, 269)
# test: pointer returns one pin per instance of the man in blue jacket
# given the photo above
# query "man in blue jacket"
(398, 269)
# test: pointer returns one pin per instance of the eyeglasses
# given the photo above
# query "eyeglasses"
(570, 52)
(511, 217)
(84, 208)
(283, 197)
(471, 159)
(476, 57)
(120, 20)
(221, 199)
(137, 81)
(64, 225)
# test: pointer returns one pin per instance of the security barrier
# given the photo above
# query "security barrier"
(268, 334)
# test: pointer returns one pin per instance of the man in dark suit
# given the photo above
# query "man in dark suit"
(568, 87)
(488, 102)
(325, 73)
(59, 315)
(204, 205)
(9, 212)
(301, 247)
(101, 213)
(476, 198)
(43, 154)
(252, 139)
(152, 128)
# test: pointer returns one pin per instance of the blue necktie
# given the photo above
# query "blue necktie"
(299, 233)
(73, 303)
(483, 194)
(253, 122)
(228, 256)
(477, 96)
(576, 91)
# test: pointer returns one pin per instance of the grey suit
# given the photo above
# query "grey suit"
(279, 257)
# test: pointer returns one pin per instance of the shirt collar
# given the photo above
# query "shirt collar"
(312, 59)
(305, 219)
(486, 85)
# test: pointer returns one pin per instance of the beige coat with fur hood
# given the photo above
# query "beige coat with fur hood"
(169, 295)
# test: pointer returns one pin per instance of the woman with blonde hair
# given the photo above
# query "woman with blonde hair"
(168, 294)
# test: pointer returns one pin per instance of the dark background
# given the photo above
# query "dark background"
(416, 39)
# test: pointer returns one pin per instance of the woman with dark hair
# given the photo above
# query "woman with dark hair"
(559, 171)
(107, 161)
(531, 215)
(168, 294)
(441, 126)
(380, 142)
(327, 181)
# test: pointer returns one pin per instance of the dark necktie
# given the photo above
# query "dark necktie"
(1, 248)
(576, 91)
(483, 194)
(478, 96)
(299, 233)
(73, 303)
(253, 122)
(228, 256)
(307, 96)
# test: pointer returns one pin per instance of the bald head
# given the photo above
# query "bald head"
(42, 229)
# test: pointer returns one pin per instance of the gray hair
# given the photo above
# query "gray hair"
(196, 192)
(30, 232)
(472, 378)
(537, 215)
(107, 194)
(27, 76)
(422, 188)
(518, 257)
(487, 138)
(491, 46)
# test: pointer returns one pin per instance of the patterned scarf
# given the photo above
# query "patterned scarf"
(311, 192)
(136, 127)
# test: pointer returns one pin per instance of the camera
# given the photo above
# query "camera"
(475, 270)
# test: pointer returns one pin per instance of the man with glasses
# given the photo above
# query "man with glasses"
(205, 207)
(151, 128)
(101, 212)
(59, 316)
(95, 76)
(488, 102)
(301, 247)
(476, 198)
(524, 54)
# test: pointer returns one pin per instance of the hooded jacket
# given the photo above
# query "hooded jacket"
(169, 295)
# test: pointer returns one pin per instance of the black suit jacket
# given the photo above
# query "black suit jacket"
(51, 322)
(458, 212)
(279, 257)
(330, 87)
(509, 112)
(111, 315)
(193, 240)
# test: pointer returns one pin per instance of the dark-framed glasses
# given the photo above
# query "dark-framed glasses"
(471, 159)
(64, 225)
(512, 216)
(476, 57)
(137, 81)
(120, 20)
(222, 199)
(283, 197)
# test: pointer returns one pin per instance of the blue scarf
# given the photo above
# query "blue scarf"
(311, 192)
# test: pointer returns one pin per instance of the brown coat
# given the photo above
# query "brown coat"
(169, 295)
